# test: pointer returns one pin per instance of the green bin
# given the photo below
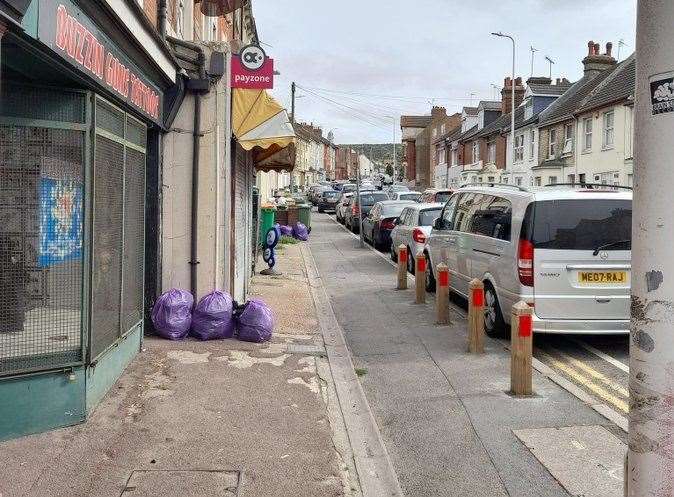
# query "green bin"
(267, 220)
(304, 214)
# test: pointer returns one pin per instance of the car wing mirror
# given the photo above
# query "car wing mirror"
(438, 224)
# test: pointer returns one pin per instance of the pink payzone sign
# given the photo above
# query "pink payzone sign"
(252, 69)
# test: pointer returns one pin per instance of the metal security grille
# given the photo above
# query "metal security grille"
(134, 236)
(107, 244)
(41, 236)
(118, 252)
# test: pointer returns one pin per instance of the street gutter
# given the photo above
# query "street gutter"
(374, 468)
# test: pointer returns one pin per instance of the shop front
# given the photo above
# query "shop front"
(80, 126)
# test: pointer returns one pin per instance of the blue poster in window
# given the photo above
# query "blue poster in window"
(60, 221)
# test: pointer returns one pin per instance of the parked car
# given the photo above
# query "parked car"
(342, 206)
(379, 223)
(413, 196)
(315, 192)
(566, 251)
(436, 195)
(348, 187)
(397, 188)
(412, 229)
(328, 200)
(367, 201)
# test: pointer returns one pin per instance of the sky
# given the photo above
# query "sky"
(360, 64)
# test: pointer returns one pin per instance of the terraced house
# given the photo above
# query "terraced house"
(557, 126)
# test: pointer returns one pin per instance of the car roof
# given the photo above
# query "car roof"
(409, 192)
(397, 202)
(560, 192)
(424, 206)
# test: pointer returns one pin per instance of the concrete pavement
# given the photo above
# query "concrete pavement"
(446, 419)
(209, 419)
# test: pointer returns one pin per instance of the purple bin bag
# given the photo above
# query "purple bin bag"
(286, 231)
(256, 322)
(172, 314)
(300, 232)
(212, 318)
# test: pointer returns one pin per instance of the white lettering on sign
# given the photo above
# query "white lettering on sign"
(241, 78)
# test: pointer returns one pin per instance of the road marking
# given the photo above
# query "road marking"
(611, 360)
(387, 258)
(594, 373)
(582, 380)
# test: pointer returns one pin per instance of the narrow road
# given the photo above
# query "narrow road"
(446, 421)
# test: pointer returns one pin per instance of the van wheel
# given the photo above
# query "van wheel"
(430, 278)
(394, 253)
(494, 325)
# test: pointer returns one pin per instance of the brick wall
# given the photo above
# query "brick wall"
(501, 151)
(198, 29)
(150, 8)
(544, 141)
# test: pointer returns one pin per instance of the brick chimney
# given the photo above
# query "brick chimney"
(437, 112)
(506, 94)
(596, 62)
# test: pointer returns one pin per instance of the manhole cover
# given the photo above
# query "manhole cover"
(315, 350)
(178, 483)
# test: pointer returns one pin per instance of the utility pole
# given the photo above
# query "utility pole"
(395, 158)
(360, 207)
(292, 121)
(651, 417)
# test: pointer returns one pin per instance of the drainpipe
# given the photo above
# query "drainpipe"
(161, 19)
(199, 86)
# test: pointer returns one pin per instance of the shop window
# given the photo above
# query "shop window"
(41, 228)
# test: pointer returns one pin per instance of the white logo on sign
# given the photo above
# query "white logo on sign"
(253, 57)
(664, 92)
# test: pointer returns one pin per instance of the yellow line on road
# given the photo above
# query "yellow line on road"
(595, 374)
(582, 380)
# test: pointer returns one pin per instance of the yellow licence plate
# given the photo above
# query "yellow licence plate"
(612, 277)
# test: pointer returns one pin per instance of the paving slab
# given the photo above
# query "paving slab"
(587, 460)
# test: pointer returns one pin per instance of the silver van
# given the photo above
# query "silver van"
(565, 250)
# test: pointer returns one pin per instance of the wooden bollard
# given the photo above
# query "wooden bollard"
(476, 317)
(402, 267)
(521, 349)
(420, 278)
(442, 294)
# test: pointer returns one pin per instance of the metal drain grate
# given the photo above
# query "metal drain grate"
(183, 483)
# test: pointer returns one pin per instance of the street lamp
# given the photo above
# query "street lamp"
(512, 105)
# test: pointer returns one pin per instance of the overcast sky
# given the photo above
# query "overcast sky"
(353, 56)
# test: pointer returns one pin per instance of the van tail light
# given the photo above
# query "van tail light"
(418, 236)
(355, 209)
(525, 262)
(387, 224)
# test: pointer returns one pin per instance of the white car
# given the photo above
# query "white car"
(564, 250)
(412, 230)
(342, 205)
(414, 196)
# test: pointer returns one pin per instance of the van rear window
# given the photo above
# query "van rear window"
(579, 224)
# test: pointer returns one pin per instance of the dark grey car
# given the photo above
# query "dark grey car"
(367, 201)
